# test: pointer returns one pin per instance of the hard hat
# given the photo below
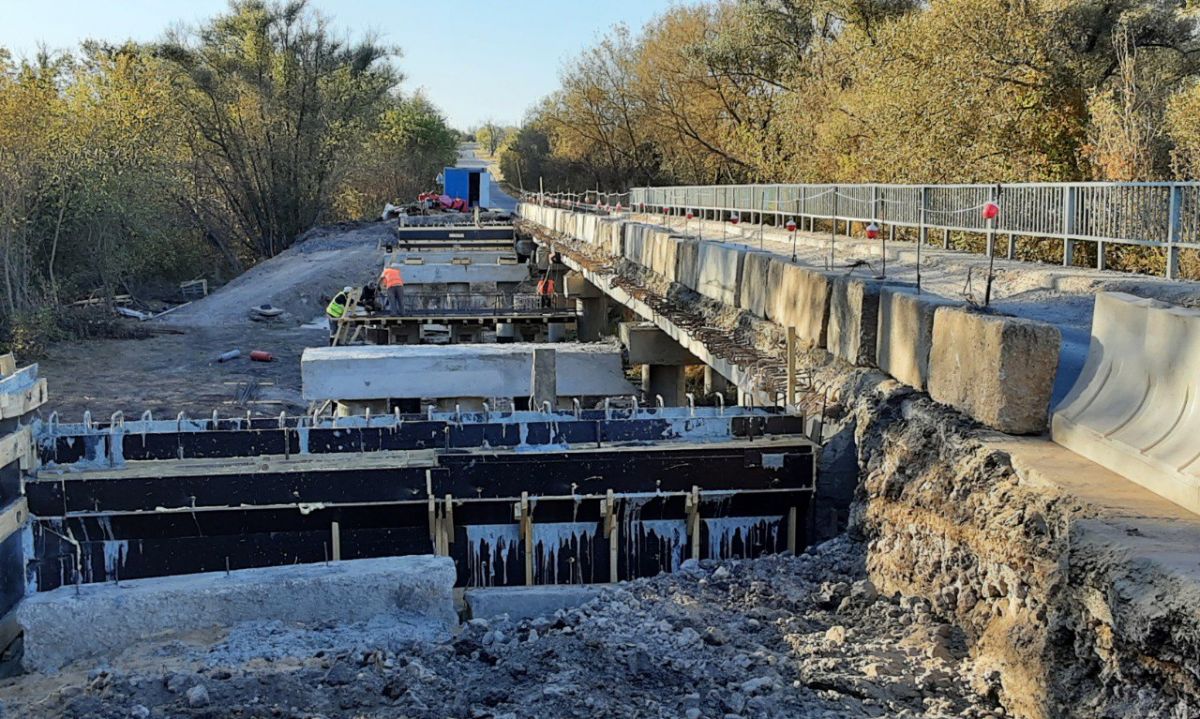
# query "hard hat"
(347, 288)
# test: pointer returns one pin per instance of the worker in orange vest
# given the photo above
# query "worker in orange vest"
(545, 288)
(392, 283)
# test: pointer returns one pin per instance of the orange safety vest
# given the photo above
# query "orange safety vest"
(391, 277)
(545, 287)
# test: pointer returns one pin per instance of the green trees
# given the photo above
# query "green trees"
(877, 90)
(123, 166)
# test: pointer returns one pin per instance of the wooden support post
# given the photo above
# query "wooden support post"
(335, 531)
(8, 365)
(433, 525)
(692, 507)
(791, 367)
(791, 532)
(608, 510)
(524, 511)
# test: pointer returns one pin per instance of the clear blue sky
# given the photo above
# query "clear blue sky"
(475, 59)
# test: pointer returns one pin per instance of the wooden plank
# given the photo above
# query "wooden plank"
(8, 364)
(17, 446)
(16, 404)
(791, 366)
(335, 531)
(13, 518)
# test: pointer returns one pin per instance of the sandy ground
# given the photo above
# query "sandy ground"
(773, 638)
(171, 373)
(1062, 296)
(178, 372)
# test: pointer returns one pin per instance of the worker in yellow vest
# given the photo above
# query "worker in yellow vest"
(335, 310)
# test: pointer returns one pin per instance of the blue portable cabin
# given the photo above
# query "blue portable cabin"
(469, 183)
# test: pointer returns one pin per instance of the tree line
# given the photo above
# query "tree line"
(874, 91)
(197, 155)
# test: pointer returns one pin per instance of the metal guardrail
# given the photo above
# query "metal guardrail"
(1163, 215)
(593, 201)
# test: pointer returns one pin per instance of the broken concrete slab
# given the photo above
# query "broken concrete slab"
(905, 334)
(997, 370)
(450, 371)
(97, 620)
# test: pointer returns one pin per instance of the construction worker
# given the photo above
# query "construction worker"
(392, 283)
(335, 310)
(545, 288)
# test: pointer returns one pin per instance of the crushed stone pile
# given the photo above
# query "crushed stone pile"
(777, 637)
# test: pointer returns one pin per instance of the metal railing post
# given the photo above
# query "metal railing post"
(1068, 224)
(1174, 225)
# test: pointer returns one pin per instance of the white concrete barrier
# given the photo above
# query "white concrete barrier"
(1135, 407)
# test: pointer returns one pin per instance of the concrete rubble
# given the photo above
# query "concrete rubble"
(780, 637)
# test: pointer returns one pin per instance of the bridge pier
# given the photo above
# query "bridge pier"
(593, 318)
(666, 381)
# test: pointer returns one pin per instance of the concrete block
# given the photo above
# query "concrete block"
(447, 371)
(720, 272)
(668, 382)
(997, 370)
(1135, 407)
(853, 320)
(660, 253)
(430, 274)
(756, 290)
(634, 247)
(687, 263)
(576, 285)
(647, 344)
(799, 297)
(527, 602)
(905, 334)
(542, 376)
(99, 620)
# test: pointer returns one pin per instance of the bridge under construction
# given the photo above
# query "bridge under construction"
(722, 374)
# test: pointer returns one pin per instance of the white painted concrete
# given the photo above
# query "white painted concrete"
(469, 274)
(446, 371)
(1135, 408)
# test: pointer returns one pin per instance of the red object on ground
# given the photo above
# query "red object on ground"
(690, 215)
(735, 218)
(872, 231)
(791, 225)
(990, 211)
(261, 356)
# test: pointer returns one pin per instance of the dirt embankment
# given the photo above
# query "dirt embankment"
(1060, 621)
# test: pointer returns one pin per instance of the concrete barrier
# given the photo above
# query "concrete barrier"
(800, 299)
(905, 334)
(997, 370)
(687, 263)
(634, 246)
(661, 253)
(756, 289)
(1135, 408)
(719, 272)
(100, 620)
(854, 320)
